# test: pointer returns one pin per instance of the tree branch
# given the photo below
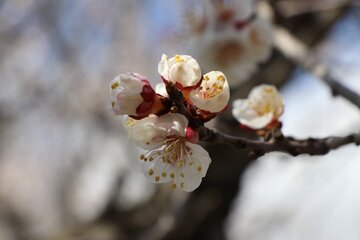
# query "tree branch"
(290, 145)
(298, 53)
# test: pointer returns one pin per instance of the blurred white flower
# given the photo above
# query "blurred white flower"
(213, 93)
(262, 108)
(181, 69)
(231, 41)
(171, 157)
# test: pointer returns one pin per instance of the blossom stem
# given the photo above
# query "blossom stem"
(177, 97)
(290, 145)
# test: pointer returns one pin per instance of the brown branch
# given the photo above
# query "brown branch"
(290, 145)
(298, 53)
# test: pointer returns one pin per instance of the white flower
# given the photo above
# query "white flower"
(259, 39)
(213, 93)
(263, 106)
(182, 69)
(128, 92)
(170, 156)
(232, 49)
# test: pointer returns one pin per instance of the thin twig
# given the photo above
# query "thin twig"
(298, 53)
(290, 145)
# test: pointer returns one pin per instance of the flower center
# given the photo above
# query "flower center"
(174, 151)
(262, 108)
(210, 87)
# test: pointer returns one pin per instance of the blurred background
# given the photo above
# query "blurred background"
(68, 172)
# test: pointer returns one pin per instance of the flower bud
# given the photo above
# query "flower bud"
(133, 95)
(182, 70)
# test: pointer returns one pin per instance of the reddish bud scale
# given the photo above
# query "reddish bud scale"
(181, 87)
(157, 106)
(206, 116)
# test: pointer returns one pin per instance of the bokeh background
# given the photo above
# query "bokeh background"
(67, 170)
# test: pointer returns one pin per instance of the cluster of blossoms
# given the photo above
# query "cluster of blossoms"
(173, 154)
(232, 39)
(154, 122)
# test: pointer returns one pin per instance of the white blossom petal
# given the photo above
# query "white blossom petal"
(163, 66)
(259, 122)
(196, 162)
(160, 88)
(151, 132)
(173, 123)
(144, 133)
(156, 170)
(213, 93)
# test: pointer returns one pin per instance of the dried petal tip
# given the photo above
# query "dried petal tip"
(213, 93)
(261, 109)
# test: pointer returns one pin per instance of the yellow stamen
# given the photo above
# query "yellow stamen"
(115, 85)
(172, 175)
(220, 78)
(157, 178)
(178, 58)
(151, 172)
(181, 163)
(164, 174)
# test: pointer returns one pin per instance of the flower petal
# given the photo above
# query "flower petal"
(160, 88)
(157, 170)
(163, 67)
(259, 122)
(196, 162)
(173, 123)
(144, 133)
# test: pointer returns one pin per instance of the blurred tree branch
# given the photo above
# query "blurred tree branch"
(298, 52)
(290, 145)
